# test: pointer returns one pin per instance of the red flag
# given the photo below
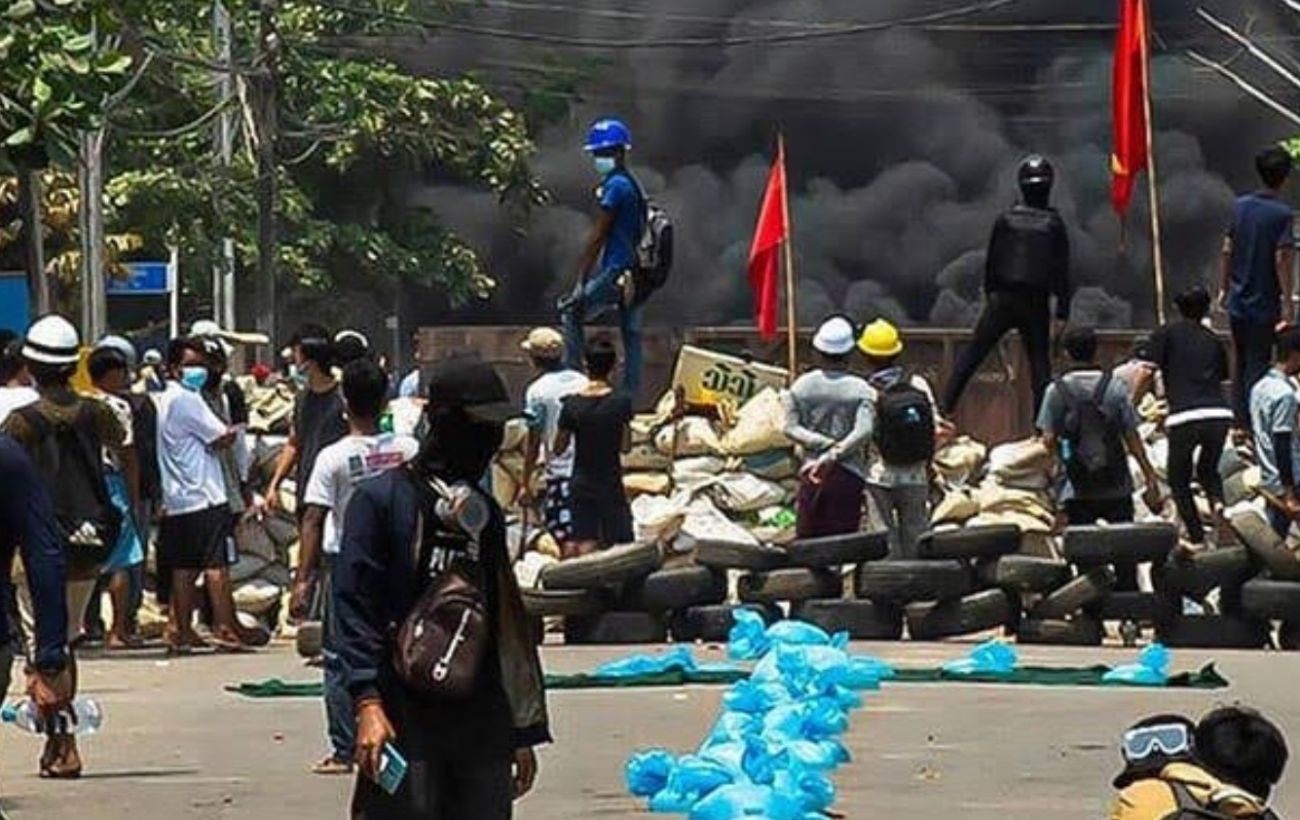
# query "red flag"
(1130, 152)
(764, 253)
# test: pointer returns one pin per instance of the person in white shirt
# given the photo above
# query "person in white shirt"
(362, 454)
(542, 404)
(16, 390)
(195, 534)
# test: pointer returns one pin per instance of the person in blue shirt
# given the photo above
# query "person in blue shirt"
(611, 252)
(1256, 278)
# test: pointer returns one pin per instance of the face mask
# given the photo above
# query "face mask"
(297, 376)
(605, 165)
(194, 377)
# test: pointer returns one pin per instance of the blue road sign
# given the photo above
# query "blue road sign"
(146, 279)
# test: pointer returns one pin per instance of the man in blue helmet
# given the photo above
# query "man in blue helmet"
(611, 250)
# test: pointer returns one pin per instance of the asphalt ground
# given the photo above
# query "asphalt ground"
(174, 745)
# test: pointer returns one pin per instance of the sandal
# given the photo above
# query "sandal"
(332, 766)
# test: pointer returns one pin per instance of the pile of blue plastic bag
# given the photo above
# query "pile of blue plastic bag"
(773, 750)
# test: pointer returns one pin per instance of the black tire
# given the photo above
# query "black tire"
(616, 628)
(1024, 573)
(677, 588)
(863, 620)
(565, 602)
(1140, 607)
(1197, 575)
(282, 528)
(712, 624)
(1089, 588)
(1288, 636)
(731, 555)
(608, 568)
(795, 584)
(1120, 543)
(932, 621)
(310, 639)
(1274, 600)
(1267, 546)
(969, 542)
(1079, 631)
(837, 550)
(1213, 632)
(903, 582)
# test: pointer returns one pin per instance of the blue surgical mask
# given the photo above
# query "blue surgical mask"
(193, 378)
(605, 165)
(297, 376)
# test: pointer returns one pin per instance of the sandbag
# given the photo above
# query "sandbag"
(1024, 464)
(957, 506)
(773, 465)
(656, 519)
(637, 484)
(646, 457)
(760, 426)
(695, 437)
(742, 493)
(515, 437)
(256, 596)
(705, 523)
(961, 460)
(251, 538)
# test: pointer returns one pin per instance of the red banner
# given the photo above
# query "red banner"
(1130, 151)
(764, 253)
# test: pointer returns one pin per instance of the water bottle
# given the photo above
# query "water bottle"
(26, 716)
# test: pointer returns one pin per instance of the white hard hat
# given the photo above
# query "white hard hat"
(52, 340)
(352, 334)
(206, 327)
(122, 345)
(836, 337)
(153, 356)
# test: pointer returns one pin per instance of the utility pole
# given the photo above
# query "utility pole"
(29, 205)
(267, 132)
(90, 183)
(223, 268)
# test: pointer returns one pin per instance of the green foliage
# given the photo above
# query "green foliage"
(1292, 147)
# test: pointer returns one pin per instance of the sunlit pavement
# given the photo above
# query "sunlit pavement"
(174, 745)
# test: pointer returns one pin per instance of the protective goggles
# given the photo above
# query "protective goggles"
(1169, 739)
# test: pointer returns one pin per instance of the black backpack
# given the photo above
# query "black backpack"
(654, 251)
(904, 424)
(1093, 451)
(69, 458)
(1190, 809)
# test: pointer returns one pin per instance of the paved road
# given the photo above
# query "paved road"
(175, 746)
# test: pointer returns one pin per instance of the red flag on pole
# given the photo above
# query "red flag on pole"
(764, 256)
(1130, 152)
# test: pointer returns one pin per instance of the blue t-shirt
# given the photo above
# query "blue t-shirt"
(619, 196)
(1260, 225)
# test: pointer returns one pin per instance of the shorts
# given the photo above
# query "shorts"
(557, 509)
(605, 520)
(197, 541)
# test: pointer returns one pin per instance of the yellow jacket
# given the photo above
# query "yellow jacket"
(1154, 799)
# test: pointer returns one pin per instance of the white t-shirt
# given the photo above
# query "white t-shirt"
(15, 398)
(192, 479)
(542, 404)
(343, 465)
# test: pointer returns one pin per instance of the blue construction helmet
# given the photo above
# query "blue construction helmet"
(608, 133)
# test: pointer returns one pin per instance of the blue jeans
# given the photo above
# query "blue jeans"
(600, 295)
(340, 718)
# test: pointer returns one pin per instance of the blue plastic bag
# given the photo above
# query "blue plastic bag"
(733, 726)
(797, 633)
(647, 772)
(814, 790)
(697, 776)
(678, 658)
(747, 802)
(747, 640)
(1151, 669)
(989, 658)
(754, 698)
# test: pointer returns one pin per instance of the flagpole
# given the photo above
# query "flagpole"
(1152, 178)
(792, 328)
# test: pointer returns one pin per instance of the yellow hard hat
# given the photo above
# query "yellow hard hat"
(880, 339)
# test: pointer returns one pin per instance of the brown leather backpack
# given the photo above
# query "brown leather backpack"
(442, 644)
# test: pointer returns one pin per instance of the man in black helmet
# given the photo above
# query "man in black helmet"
(1028, 263)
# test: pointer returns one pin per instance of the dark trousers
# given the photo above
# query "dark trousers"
(1082, 513)
(1252, 348)
(340, 711)
(1028, 313)
(1207, 437)
(441, 790)
(831, 507)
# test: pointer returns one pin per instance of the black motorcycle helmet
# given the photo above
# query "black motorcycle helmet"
(1036, 177)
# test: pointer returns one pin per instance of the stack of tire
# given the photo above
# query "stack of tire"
(1272, 595)
(963, 581)
(1075, 610)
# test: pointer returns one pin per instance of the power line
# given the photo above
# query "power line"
(673, 42)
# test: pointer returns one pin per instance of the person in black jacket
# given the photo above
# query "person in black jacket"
(1194, 364)
(468, 757)
(1028, 263)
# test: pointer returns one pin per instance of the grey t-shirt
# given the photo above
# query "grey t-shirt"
(1116, 403)
(1273, 407)
(830, 413)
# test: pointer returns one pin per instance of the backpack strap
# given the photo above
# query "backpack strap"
(642, 200)
(41, 427)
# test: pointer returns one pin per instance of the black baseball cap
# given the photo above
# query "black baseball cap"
(466, 381)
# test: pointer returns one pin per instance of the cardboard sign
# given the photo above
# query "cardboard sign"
(708, 377)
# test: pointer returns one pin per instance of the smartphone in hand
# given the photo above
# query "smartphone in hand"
(392, 769)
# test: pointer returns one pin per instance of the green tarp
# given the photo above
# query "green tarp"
(1207, 678)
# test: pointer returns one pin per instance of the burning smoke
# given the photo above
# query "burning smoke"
(902, 149)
